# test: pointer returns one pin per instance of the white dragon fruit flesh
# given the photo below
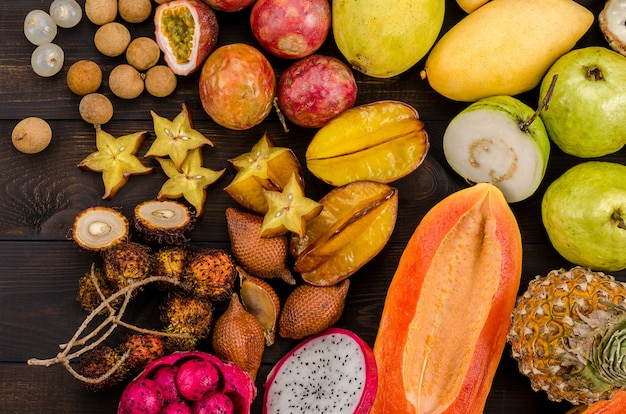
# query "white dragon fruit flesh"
(333, 371)
(191, 382)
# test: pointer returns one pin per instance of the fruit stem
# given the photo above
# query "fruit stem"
(593, 73)
(617, 216)
(544, 105)
(281, 117)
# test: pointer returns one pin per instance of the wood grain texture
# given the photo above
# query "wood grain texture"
(41, 194)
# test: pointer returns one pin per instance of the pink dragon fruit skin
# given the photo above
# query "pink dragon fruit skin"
(195, 377)
(176, 407)
(165, 376)
(334, 370)
(141, 396)
(239, 386)
(214, 403)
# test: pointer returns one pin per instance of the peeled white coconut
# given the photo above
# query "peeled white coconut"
(493, 141)
(612, 21)
(334, 371)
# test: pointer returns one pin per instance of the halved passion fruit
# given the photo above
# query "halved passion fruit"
(186, 32)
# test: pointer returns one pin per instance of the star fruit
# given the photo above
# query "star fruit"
(288, 210)
(190, 181)
(115, 158)
(175, 138)
(265, 167)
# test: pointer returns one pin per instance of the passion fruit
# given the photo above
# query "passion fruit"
(237, 86)
(186, 31)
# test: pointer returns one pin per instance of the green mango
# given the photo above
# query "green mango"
(382, 38)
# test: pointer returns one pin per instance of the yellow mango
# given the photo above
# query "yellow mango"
(382, 38)
(504, 47)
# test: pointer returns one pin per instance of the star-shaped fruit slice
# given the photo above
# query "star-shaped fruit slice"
(265, 167)
(288, 210)
(190, 181)
(175, 138)
(115, 158)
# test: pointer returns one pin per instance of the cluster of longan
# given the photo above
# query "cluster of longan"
(126, 80)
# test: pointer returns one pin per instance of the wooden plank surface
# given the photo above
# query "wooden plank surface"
(41, 194)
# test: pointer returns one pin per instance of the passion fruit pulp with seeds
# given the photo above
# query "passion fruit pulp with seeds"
(126, 82)
(84, 76)
(31, 135)
(98, 228)
(163, 222)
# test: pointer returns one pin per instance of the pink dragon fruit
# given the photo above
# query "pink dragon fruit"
(141, 396)
(189, 382)
(333, 371)
(214, 403)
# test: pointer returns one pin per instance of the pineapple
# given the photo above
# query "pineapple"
(568, 335)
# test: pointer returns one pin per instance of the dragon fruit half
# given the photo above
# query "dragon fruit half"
(189, 382)
(333, 371)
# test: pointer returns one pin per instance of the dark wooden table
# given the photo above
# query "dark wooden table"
(41, 194)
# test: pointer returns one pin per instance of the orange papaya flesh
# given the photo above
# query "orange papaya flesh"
(447, 310)
(616, 405)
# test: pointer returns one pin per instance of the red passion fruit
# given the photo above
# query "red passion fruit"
(186, 32)
(290, 29)
(237, 86)
(315, 89)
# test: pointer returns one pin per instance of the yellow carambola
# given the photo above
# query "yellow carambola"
(383, 38)
(504, 47)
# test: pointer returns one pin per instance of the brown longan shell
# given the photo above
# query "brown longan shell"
(143, 53)
(134, 11)
(31, 135)
(84, 76)
(126, 82)
(95, 108)
(112, 39)
(101, 12)
(160, 81)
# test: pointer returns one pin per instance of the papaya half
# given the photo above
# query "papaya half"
(613, 406)
(447, 311)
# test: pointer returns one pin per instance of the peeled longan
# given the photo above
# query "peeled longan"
(143, 53)
(95, 109)
(160, 81)
(134, 11)
(31, 135)
(84, 76)
(101, 12)
(126, 82)
(112, 39)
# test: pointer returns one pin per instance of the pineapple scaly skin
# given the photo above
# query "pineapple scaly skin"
(560, 335)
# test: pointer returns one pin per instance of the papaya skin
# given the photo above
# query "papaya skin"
(397, 347)
(613, 406)
(504, 47)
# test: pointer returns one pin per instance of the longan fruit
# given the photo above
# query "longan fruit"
(31, 135)
(84, 76)
(134, 11)
(112, 39)
(143, 53)
(160, 81)
(101, 12)
(126, 82)
(95, 109)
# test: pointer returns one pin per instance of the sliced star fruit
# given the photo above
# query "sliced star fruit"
(381, 141)
(115, 158)
(190, 181)
(288, 210)
(98, 228)
(355, 224)
(265, 167)
(175, 138)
